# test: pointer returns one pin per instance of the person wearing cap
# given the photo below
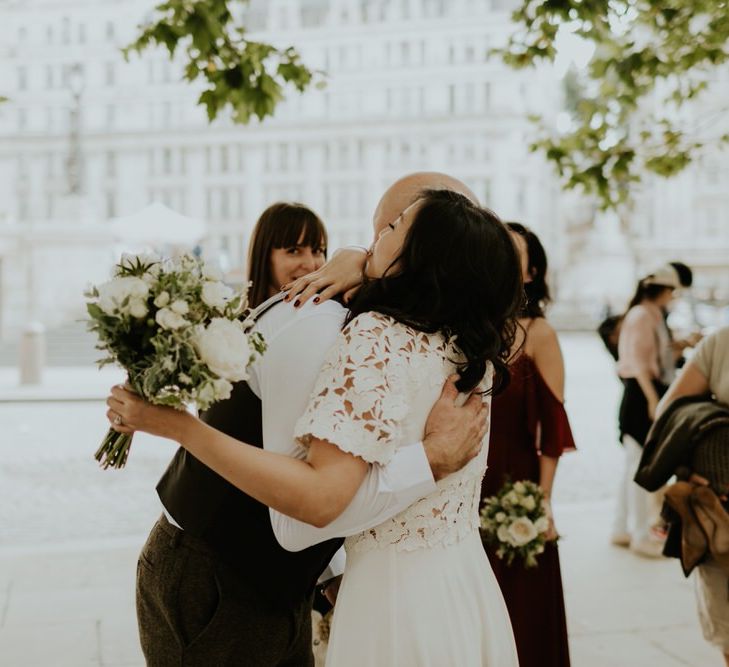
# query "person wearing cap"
(646, 366)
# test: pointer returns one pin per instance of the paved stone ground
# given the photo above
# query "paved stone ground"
(70, 533)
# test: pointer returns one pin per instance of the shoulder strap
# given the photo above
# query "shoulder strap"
(264, 307)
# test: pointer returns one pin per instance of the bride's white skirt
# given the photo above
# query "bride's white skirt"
(431, 607)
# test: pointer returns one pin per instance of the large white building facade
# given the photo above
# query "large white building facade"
(409, 87)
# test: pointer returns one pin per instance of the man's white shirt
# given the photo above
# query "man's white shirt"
(297, 341)
(283, 378)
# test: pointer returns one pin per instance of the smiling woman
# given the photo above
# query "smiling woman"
(288, 241)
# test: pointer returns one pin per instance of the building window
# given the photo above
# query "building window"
(487, 95)
(22, 78)
(109, 30)
(49, 76)
(22, 119)
(110, 164)
(65, 30)
(109, 74)
(167, 161)
(110, 116)
(82, 34)
(224, 158)
(110, 205)
(49, 34)
(22, 34)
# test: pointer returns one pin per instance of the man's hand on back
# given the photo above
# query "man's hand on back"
(454, 435)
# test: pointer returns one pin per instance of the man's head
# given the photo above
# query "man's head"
(403, 192)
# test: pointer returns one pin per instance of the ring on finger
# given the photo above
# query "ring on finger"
(118, 421)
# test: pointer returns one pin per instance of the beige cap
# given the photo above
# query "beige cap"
(664, 275)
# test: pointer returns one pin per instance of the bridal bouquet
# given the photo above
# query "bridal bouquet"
(515, 522)
(177, 330)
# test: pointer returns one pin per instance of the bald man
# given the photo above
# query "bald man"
(342, 275)
(222, 580)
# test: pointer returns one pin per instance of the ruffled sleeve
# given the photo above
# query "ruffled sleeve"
(546, 416)
(356, 403)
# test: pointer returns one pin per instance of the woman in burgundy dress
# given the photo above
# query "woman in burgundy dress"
(529, 432)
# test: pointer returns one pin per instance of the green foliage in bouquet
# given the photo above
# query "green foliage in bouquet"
(515, 522)
(177, 330)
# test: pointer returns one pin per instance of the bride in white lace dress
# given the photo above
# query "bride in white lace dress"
(443, 289)
(418, 589)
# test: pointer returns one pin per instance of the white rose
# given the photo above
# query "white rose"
(528, 503)
(222, 389)
(138, 308)
(180, 307)
(512, 498)
(542, 524)
(163, 298)
(504, 536)
(169, 319)
(519, 487)
(113, 293)
(223, 347)
(500, 517)
(212, 272)
(522, 531)
(216, 294)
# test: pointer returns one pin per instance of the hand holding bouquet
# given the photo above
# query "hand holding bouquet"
(177, 330)
(516, 521)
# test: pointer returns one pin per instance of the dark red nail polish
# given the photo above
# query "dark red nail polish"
(316, 299)
(296, 303)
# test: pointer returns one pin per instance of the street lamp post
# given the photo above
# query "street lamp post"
(33, 341)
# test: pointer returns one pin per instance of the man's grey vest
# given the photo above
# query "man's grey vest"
(236, 526)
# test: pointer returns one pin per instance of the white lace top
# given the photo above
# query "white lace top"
(374, 393)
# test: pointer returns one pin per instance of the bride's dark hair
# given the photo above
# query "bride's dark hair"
(458, 272)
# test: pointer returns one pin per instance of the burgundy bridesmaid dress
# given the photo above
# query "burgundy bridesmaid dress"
(527, 419)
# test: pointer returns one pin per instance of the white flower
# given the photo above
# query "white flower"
(542, 524)
(216, 294)
(163, 298)
(222, 389)
(131, 260)
(180, 307)
(205, 395)
(528, 503)
(183, 378)
(504, 536)
(500, 517)
(223, 347)
(212, 272)
(169, 319)
(138, 308)
(512, 498)
(114, 292)
(168, 364)
(519, 487)
(522, 531)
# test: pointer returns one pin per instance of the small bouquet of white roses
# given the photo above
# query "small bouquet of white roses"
(515, 522)
(178, 331)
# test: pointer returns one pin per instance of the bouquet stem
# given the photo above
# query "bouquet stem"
(114, 449)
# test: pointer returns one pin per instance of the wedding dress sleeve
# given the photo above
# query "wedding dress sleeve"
(356, 404)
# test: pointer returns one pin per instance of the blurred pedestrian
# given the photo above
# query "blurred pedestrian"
(529, 433)
(646, 365)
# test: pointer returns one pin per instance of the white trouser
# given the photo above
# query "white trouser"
(637, 510)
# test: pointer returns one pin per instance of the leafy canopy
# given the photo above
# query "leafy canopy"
(628, 112)
(247, 76)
